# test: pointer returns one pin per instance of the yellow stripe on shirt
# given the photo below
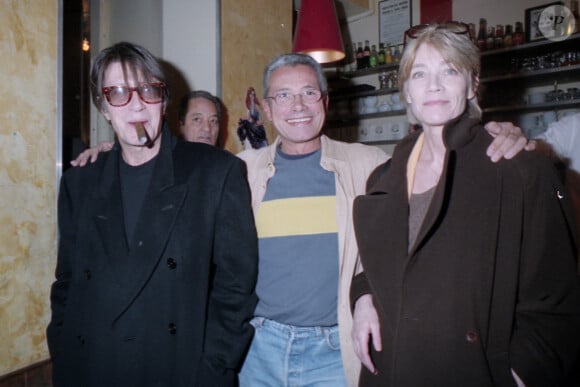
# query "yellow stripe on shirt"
(297, 216)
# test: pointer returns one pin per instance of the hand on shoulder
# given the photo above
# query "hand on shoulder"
(92, 154)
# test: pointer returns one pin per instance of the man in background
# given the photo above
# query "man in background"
(200, 117)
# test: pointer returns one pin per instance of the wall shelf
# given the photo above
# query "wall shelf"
(568, 104)
(505, 91)
(538, 75)
(337, 95)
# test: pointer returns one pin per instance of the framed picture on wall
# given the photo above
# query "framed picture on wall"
(394, 19)
(541, 25)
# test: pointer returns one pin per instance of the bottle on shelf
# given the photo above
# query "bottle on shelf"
(373, 58)
(389, 55)
(499, 35)
(482, 34)
(490, 40)
(518, 35)
(507, 37)
(396, 54)
(353, 61)
(366, 54)
(381, 56)
(347, 59)
(359, 56)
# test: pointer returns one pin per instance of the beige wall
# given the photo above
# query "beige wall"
(253, 32)
(28, 172)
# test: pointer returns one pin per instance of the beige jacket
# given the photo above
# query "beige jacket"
(351, 164)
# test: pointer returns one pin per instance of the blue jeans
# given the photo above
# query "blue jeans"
(288, 356)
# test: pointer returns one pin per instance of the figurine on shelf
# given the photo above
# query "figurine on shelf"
(251, 129)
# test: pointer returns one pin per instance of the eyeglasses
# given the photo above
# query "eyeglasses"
(121, 95)
(455, 27)
(287, 99)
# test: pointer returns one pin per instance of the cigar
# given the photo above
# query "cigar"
(142, 134)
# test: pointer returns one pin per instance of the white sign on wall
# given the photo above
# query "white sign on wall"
(394, 20)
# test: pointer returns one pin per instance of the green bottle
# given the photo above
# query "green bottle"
(373, 59)
(381, 56)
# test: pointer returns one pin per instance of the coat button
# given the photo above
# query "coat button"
(171, 263)
(88, 274)
(172, 328)
(471, 337)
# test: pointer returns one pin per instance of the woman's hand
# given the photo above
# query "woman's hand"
(365, 325)
(508, 141)
(91, 154)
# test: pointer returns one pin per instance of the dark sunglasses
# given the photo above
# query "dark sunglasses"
(452, 26)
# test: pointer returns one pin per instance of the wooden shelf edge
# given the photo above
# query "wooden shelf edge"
(336, 95)
(534, 107)
(527, 46)
(531, 74)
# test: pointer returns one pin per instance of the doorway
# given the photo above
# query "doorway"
(75, 79)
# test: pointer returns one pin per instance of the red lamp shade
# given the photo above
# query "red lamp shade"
(317, 31)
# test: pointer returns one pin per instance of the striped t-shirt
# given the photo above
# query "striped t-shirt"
(298, 242)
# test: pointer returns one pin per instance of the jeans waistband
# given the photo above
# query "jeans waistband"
(260, 322)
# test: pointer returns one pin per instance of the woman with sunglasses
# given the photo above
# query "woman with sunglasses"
(470, 264)
(154, 282)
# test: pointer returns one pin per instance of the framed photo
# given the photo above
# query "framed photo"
(394, 19)
(534, 30)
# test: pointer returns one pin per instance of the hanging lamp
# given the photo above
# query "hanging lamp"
(318, 32)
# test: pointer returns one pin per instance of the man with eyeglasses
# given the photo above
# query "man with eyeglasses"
(303, 186)
(157, 257)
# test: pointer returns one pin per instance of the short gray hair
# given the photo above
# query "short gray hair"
(292, 60)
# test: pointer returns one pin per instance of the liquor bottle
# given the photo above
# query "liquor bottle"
(518, 35)
(490, 40)
(389, 55)
(367, 54)
(507, 38)
(353, 61)
(359, 56)
(346, 60)
(482, 34)
(373, 58)
(499, 35)
(381, 57)
(396, 54)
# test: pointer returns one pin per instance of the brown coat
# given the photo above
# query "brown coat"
(489, 285)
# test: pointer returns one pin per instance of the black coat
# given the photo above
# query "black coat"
(490, 283)
(172, 308)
